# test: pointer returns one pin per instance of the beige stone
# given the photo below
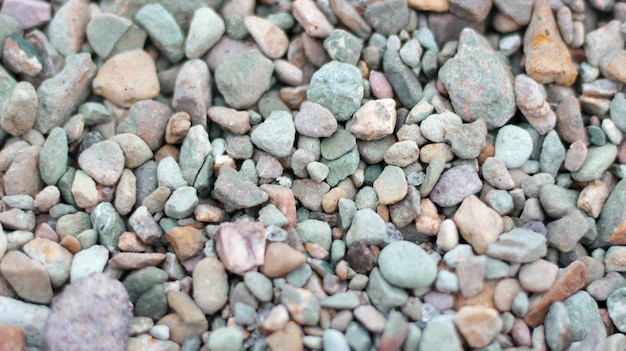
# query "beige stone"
(478, 224)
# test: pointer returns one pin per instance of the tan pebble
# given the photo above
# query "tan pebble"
(177, 127)
(430, 152)
(155, 202)
(210, 285)
(271, 39)
(71, 244)
(47, 197)
(28, 277)
(430, 5)
(575, 156)
(330, 200)
(287, 73)
(488, 151)
(126, 78)
(505, 24)
(316, 251)
(547, 57)
(311, 19)
(166, 150)
(293, 97)
(570, 125)
(287, 339)
(22, 177)
(448, 235)
(237, 122)
(570, 280)
(383, 212)
(478, 325)
(130, 242)
(374, 120)
(532, 104)
(349, 16)
(371, 318)
(478, 224)
(592, 198)
(208, 213)
(428, 221)
(70, 24)
(505, 292)
(275, 320)
(341, 269)
(241, 245)
(179, 330)
(485, 298)
(186, 308)
(281, 259)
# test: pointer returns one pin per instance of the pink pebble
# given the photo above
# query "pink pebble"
(381, 88)
(29, 13)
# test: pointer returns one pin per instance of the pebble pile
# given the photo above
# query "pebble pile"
(313, 175)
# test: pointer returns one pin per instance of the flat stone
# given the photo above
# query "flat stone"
(68, 26)
(163, 30)
(519, 246)
(496, 96)
(598, 160)
(192, 92)
(541, 268)
(186, 242)
(105, 30)
(441, 332)
(135, 260)
(311, 18)
(611, 222)
(89, 261)
(231, 189)
(405, 84)
(533, 105)
(109, 225)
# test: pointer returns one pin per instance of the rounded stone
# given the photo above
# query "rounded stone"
(513, 146)
(406, 265)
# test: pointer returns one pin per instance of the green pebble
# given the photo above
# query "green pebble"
(315, 231)
(299, 276)
(152, 303)
(163, 30)
(343, 46)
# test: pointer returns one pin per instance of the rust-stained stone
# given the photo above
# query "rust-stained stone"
(570, 280)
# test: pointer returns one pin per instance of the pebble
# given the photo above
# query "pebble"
(90, 301)
(55, 259)
(404, 82)
(259, 285)
(281, 259)
(192, 91)
(478, 224)
(102, 24)
(541, 268)
(182, 202)
(237, 122)
(478, 325)
(384, 295)
(302, 305)
(455, 185)
(533, 105)
(241, 85)
(583, 313)
(186, 242)
(88, 261)
(126, 78)
(548, 59)
(575, 156)
(315, 121)
(367, 226)
(103, 161)
(276, 134)
(29, 14)
(163, 30)
(598, 160)
(513, 146)
(519, 246)
(467, 140)
(210, 285)
(147, 119)
(240, 246)
(27, 277)
(225, 339)
(496, 83)
(335, 340)
(271, 39)
(19, 111)
(400, 261)
(311, 18)
(234, 191)
(391, 185)
(344, 47)
(60, 95)
(67, 27)
(135, 260)
(205, 30)
(290, 337)
(574, 224)
(338, 87)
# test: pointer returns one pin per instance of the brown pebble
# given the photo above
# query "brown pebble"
(71, 244)
(235, 121)
(428, 220)
(287, 339)
(12, 338)
(430, 5)
(570, 125)
(311, 19)
(19, 110)
(275, 320)
(592, 198)
(271, 39)
(127, 77)
(478, 224)
(547, 57)
(521, 333)
(177, 127)
(479, 325)
(281, 259)
(179, 330)
(130, 242)
(133, 260)
(283, 198)
(360, 257)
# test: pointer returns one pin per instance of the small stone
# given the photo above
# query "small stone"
(281, 259)
(288, 338)
(241, 245)
(372, 319)
(366, 226)
(541, 268)
(342, 167)
(271, 39)
(343, 47)
(88, 261)
(84, 190)
(302, 305)
(598, 159)
(234, 191)
(109, 225)
(440, 332)
(205, 30)
(473, 56)
(402, 153)
(182, 202)
(478, 325)
(163, 30)
(276, 134)
(478, 224)
(147, 119)
(565, 232)
(237, 122)
(311, 18)
(104, 162)
(513, 146)
(519, 246)
(338, 87)
(455, 185)
(575, 156)
(405, 84)
(28, 13)
(19, 110)
(467, 140)
(259, 285)
(533, 105)
(583, 313)
(27, 277)
(186, 242)
(210, 285)
(391, 185)
(548, 59)
(192, 92)
(126, 78)
(400, 263)
(105, 30)
(244, 78)
(67, 28)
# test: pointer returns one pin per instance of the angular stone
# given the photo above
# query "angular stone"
(231, 189)
(518, 246)
(478, 224)
(244, 78)
(28, 277)
(479, 325)
(241, 245)
(186, 242)
(192, 92)
(338, 87)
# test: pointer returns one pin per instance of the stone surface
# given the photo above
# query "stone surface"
(244, 78)
(337, 86)
(28, 277)
(455, 185)
(478, 325)
(241, 245)
(406, 265)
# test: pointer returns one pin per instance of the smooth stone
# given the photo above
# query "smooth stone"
(103, 161)
(598, 160)
(384, 296)
(406, 265)
(28, 277)
(205, 30)
(455, 185)
(210, 285)
(338, 87)
(518, 246)
(109, 225)
(88, 261)
(163, 30)
(53, 157)
(276, 134)
(513, 146)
